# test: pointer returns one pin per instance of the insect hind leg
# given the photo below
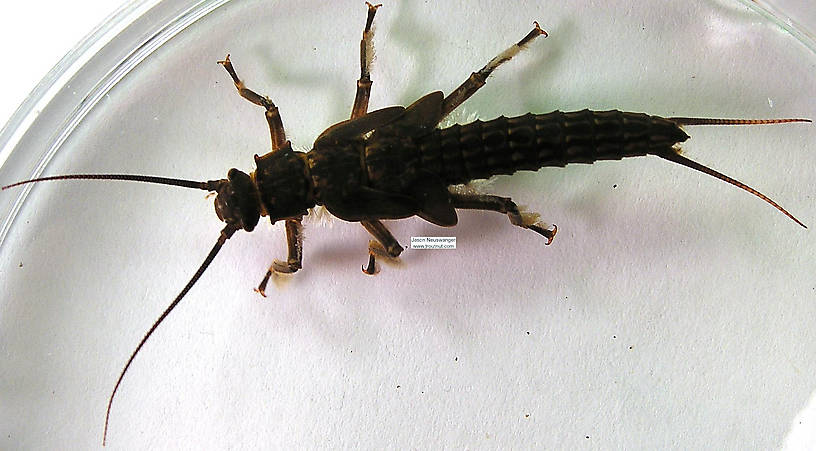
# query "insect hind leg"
(504, 205)
(384, 245)
(478, 79)
(272, 115)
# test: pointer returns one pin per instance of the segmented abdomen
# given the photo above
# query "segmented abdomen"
(479, 150)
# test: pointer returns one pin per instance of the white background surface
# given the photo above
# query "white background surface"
(678, 322)
(35, 35)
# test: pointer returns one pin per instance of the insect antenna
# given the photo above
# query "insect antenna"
(226, 233)
(677, 158)
(211, 185)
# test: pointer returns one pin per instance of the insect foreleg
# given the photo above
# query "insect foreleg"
(478, 79)
(272, 115)
(504, 205)
(385, 244)
(366, 55)
(294, 261)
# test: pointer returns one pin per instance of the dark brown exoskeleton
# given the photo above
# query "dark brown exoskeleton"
(395, 163)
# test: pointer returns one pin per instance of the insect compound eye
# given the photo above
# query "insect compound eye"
(237, 201)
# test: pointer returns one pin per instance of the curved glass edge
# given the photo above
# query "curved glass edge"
(179, 15)
(66, 68)
(781, 13)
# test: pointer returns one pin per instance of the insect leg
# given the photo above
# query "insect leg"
(366, 55)
(272, 115)
(294, 261)
(478, 79)
(385, 244)
(505, 205)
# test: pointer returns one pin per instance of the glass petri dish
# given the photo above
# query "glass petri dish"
(672, 311)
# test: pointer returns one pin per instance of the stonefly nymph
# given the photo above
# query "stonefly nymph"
(396, 162)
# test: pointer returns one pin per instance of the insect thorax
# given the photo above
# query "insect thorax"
(284, 185)
(336, 169)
